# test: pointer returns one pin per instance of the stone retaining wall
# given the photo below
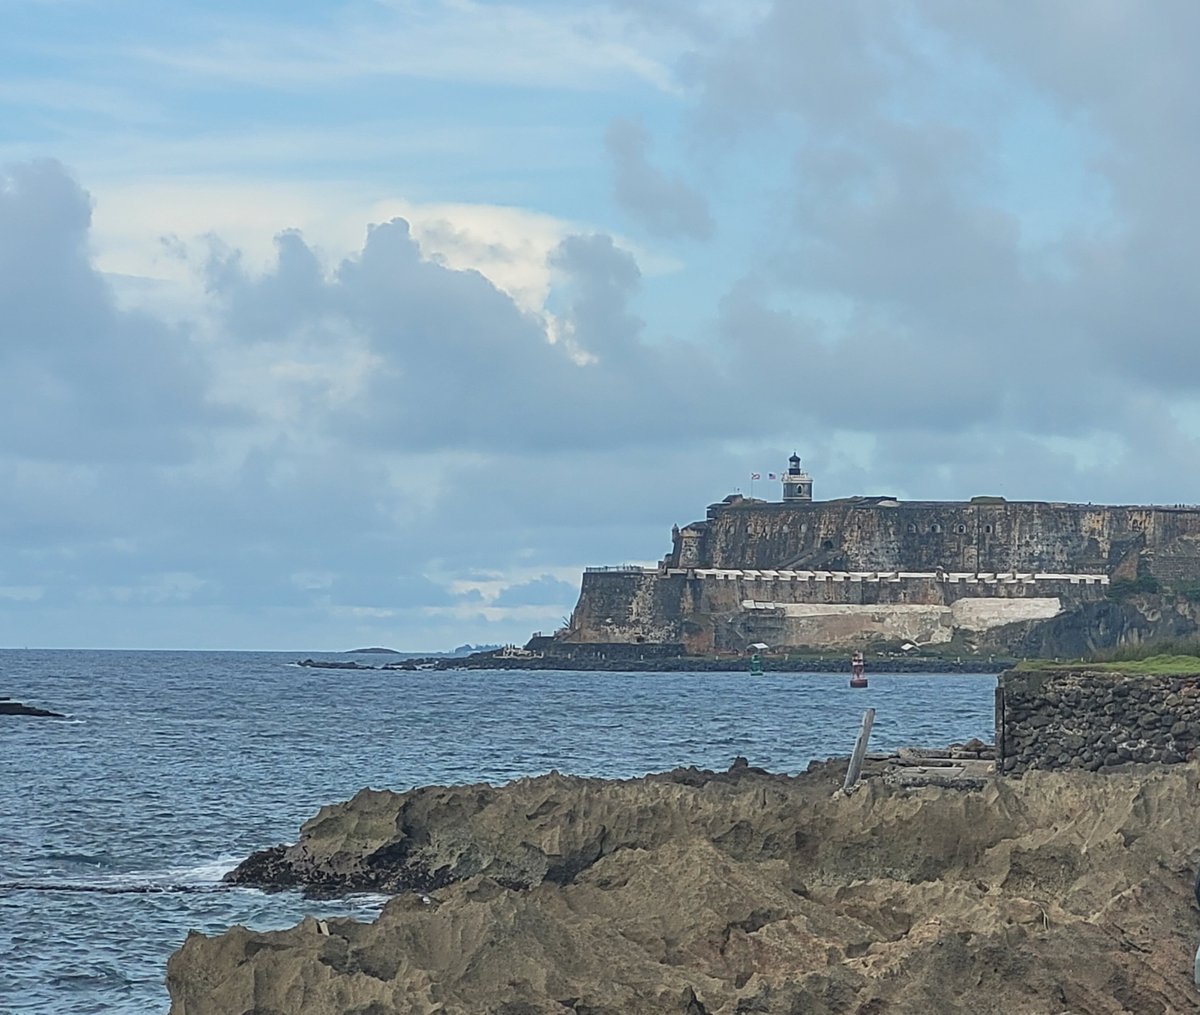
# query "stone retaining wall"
(1094, 720)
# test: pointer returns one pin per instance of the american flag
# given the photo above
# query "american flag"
(771, 475)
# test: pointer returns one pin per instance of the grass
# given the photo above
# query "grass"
(1164, 663)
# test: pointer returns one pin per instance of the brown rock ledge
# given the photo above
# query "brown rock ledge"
(733, 893)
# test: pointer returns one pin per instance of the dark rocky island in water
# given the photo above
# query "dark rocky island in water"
(10, 707)
(735, 892)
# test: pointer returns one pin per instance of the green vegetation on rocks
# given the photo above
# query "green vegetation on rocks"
(1123, 588)
(1158, 657)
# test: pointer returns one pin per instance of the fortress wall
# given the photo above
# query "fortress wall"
(713, 613)
(629, 606)
(1177, 563)
(851, 626)
(986, 614)
(1095, 720)
(851, 535)
(717, 595)
(869, 554)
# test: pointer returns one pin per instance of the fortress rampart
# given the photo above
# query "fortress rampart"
(848, 572)
(989, 535)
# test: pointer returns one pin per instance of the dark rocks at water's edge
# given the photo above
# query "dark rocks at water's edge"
(10, 707)
(337, 664)
(736, 892)
(669, 664)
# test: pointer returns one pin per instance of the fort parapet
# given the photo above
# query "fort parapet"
(843, 573)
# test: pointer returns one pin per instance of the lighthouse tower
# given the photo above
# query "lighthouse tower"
(797, 484)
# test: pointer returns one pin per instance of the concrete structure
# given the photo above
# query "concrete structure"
(850, 572)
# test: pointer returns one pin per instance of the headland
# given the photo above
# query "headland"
(984, 577)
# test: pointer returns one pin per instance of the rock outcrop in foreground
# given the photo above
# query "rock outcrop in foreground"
(738, 892)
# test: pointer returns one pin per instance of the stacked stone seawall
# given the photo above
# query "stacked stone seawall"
(1095, 720)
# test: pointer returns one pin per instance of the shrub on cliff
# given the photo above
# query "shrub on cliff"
(1123, 588)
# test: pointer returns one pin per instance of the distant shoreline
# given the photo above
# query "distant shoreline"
(676, 664)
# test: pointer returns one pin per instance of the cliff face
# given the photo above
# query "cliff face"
(700, 893)
(843, 574)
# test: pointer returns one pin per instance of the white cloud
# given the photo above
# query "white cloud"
(446, 40)
(22, 593)
(490, 586)
(510, 245)
(521, 619)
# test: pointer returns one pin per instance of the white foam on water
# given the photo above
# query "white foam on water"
(207, 872)
(197, 875)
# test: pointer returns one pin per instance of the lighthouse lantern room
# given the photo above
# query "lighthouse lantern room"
(797, 484)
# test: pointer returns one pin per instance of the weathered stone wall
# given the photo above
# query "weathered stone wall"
(879, 552)
(868, 534)
(727, 612)
(1094, 720)
(629, 606)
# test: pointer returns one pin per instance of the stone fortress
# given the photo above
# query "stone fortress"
(985, 575)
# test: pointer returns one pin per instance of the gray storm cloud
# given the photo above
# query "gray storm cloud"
(80, 378)
(925, 277)
(458, 364)
(664, 205)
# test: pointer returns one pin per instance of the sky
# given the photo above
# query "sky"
(335, 324)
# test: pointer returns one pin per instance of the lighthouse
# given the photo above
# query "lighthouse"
(797, 484)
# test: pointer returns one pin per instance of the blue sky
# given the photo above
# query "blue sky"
(333, 324)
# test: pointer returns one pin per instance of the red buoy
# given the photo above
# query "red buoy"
(857, 665)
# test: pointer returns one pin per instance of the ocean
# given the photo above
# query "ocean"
(117, 822)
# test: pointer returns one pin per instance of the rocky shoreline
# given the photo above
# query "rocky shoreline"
(735, 892)
(674, 664)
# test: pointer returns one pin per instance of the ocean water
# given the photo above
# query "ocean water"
(117, 823)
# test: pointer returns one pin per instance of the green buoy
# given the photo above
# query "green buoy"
(756, 667)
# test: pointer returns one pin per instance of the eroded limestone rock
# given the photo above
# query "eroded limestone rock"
(733, 893)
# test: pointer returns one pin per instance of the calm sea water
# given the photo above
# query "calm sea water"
(174, 766)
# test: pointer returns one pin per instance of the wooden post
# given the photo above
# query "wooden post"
(860, 750)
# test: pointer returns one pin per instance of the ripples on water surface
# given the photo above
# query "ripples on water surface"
(176, 765)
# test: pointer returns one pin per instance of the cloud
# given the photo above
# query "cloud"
(665, 205)
(493, 43)
(946, 252)
(81, 379)
(450, 361)
(545, 590)
(977, 247)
